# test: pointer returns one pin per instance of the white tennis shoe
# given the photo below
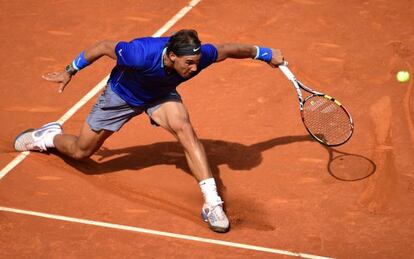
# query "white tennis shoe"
(216, 218)
(34, 139)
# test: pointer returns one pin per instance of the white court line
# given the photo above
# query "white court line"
(100, 86)
(13, 163)
(161, 233)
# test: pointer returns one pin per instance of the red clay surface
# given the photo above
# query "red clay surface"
(278, 190)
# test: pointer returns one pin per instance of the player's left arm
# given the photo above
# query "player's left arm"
(233, 50)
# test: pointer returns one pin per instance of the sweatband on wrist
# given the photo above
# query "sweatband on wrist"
(80, 62)
(264, 54)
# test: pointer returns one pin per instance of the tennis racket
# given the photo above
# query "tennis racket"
(324, 117)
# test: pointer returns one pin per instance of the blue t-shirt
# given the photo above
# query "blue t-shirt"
(139, 76)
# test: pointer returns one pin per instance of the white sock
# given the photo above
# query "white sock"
(48, 140)
(209, 190)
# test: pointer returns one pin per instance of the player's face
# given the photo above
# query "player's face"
(185, 66)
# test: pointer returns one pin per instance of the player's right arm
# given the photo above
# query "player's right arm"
(271, 56)
(87, 57)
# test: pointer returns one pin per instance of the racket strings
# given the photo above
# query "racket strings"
(326, 120)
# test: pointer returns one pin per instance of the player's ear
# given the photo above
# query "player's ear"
(172, 56)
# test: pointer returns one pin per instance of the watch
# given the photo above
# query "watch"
(70, 70)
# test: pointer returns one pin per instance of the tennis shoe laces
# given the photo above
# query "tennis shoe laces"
(215, 216)
(34, 139)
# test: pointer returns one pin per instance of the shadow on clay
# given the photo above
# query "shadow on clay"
(236, 156)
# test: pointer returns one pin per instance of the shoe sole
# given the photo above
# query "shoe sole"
(20, 147)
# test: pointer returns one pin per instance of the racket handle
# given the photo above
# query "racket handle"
(286, 71)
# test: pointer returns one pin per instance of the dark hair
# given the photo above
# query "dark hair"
(184, 42)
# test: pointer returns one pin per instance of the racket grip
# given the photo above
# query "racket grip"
(286, 71)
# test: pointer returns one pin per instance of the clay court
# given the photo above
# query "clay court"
(286, 195)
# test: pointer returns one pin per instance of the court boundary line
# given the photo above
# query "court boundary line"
(171, 22)
(160, 233)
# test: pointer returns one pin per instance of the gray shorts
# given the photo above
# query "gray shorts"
(111, 112)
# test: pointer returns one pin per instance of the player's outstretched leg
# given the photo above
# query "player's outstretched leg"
(38, 139)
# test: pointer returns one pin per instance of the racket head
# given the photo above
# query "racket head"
(327, 120)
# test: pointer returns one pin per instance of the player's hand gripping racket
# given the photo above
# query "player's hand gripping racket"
(324, 117)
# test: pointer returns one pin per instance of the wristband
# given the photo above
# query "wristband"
(80, 62)
(263, 54)
(70, 70)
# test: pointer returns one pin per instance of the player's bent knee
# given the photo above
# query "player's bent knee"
(182, 127)
(186, 135)
(82, 154)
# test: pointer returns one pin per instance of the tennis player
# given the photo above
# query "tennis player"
(144, 79)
